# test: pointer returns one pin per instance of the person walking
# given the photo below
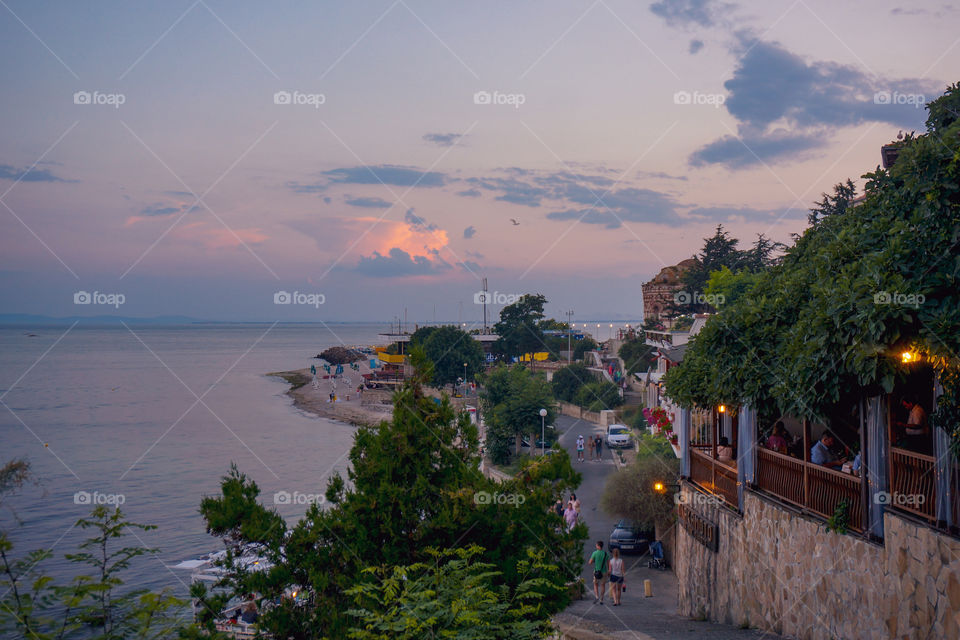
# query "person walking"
(579, 448)
(592, 446)
(617, 584)
(570, 516)
(599, 560)
(576, 503)
(598, 443)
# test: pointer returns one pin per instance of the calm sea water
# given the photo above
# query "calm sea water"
(119, 415)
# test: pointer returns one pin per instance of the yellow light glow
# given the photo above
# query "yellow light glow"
(658, 487)
(721, 409)
(907, 357)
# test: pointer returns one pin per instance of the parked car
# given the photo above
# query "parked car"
(618, 436)
(630, 538)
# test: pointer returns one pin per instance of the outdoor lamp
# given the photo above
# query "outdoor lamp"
(658, 487)
(907, 357)
(721, 409)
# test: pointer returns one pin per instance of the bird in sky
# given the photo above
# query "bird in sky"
(514, 222)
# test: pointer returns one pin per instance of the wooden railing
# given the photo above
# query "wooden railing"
(828, 488)
(810, 486)
(714, 476)
(913, 485)
(780, 475)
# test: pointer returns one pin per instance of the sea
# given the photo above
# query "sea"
(150, 418)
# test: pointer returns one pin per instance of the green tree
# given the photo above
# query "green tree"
(725, 287)
(95, 604)
(637, 355)
(413, 483)
(519, 327)
(568, 381)
(835, 204)
(632, 493)
(449, 348)
(600, 395)
(513, 397)
(823, 326)
(453, 595)
(580, 347)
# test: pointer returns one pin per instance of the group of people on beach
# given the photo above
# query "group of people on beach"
(595, 444)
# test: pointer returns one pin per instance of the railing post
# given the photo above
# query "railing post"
(943, 469)
(806, 471)
(746, 450)
(876, 462)
(685, 443)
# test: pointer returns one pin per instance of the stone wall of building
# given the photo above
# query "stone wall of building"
(778, 570)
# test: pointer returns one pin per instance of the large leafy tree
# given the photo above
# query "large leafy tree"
(513, 397)
(568, 380)
(637, 355)
(449, 348)
(833, 204)
(856, 289)
(413, 484)
(519, 328)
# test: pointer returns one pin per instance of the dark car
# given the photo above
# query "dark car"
(630, 538)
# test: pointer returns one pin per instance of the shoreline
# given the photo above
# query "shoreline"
(366, 412)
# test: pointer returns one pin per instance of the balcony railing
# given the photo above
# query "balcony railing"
(714, 476)
(913, 485)
(810, 486)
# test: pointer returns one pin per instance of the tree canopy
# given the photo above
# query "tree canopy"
(413, 486)
(857, 288)
(449, 348)
(519, 327)
(512, 399)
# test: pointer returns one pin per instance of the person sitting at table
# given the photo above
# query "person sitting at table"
(821, 453)
(777, 440)
(724, 450)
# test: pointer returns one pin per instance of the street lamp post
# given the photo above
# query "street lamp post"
(465, 378)
(543, 436)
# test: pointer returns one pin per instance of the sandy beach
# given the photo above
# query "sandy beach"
(368, 408)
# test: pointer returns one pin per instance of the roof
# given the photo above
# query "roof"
(674, 354)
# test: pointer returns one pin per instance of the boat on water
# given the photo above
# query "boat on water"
(239, 618)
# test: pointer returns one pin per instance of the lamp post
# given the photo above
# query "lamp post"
(543, 438)
(464, 378)
(569, 334)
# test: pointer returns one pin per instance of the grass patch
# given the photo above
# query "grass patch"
(294, 378)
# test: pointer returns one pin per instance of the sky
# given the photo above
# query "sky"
(367, 160)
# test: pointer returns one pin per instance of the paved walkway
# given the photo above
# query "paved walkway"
(637, 617)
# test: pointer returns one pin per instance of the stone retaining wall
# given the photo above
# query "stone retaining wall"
(781, 571)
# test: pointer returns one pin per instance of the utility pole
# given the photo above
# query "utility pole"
(569, 315)
(484, 306)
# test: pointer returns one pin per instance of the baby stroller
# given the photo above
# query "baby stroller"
(656, 556)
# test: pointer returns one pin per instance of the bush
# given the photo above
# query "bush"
(631, 494)
(597, 396)
(569, 380)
